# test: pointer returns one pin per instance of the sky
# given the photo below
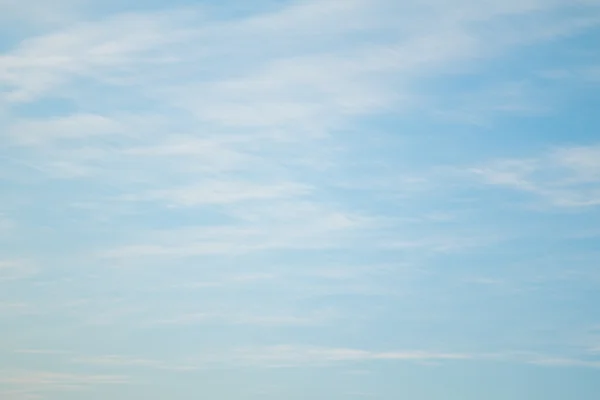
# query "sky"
(277, 199)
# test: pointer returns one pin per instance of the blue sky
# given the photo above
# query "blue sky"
(329, 199)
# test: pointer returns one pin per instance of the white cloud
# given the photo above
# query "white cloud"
(42, 352)
(44, 381)
(269, 356)
(43, 65)
(565, 362)
(208, 153)
(15, 269)
(287, 355)
(302, 356)
(246, 319)
(450, 243)
(223, 192)
(297, 87)
(209, 80)
(14, 308)
(566, 177)
(37, 14)
(7, 225)
(228, 280)
(124, 361)
(583, 161)
(277, 356)
(19, 394)
(483, 106)
(266, 226)
(241, 114)
(79, 126)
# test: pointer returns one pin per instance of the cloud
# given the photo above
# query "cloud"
(42, 65)
(266, 226)
(344, 81)
(265, 356)
(15, 308)
(487, 104)
(307, 355)
(35, 14)
(276, 356)
(204, 154)
(42, 352)
(304, 356)
(20, 394)
(236, 169)
(305, 85)
(16, 269)
(41, 382)
(582, 161)
(72, 127)
(7, 225)
(317, 91)
(112, 361)
(202, 318)
(223, 192)
(565, 177)
(565, 362)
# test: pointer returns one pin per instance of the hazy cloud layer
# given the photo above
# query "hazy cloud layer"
(297, 186)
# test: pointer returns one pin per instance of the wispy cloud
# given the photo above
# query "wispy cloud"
(112, 361)
(49, 62)
(285, 93)
(15, 308)
(313, 356)
(41, 352)
(16, 269)
(19, 394)
(291, 225)
(241, 319)
(7, 225)
(42, 382)
(292, 170)
(565, 362)
(81, 126)
(566, 177)
(280, 356)
(222, 193)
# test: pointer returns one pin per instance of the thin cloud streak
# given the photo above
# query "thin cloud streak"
(566, 177)
(235, 187)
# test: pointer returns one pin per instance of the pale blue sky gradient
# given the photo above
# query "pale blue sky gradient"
(328, 199)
